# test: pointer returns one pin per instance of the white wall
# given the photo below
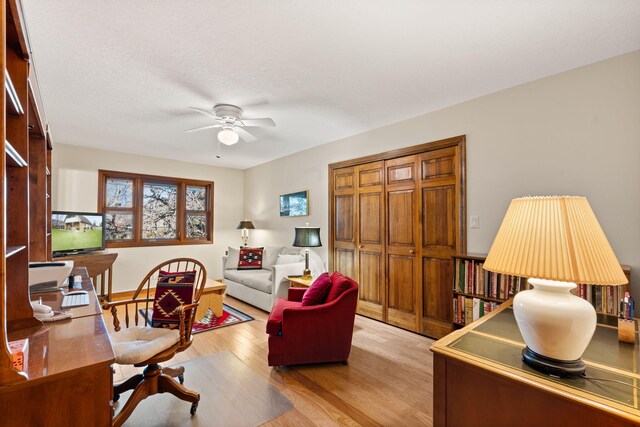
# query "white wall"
(75, 187)
(575, 133)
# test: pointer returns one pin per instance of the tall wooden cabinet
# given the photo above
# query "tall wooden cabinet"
(396, 219)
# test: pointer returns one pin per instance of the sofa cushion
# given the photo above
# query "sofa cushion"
(317, 292)
(233, 257)
(274, 323)
(255, 279)
(250, 259)
(339, 284)
(270, 255)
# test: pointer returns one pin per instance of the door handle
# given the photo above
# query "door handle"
(360, 246)
(412, 252)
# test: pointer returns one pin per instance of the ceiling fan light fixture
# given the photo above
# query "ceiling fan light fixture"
(228, 136)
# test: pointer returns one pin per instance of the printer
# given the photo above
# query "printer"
(48, 276)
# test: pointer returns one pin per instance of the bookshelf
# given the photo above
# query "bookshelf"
(25, 203)
(477, 292)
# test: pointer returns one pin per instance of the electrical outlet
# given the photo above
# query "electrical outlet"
(475, 221)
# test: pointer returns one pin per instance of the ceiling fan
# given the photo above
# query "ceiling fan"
(228, 117)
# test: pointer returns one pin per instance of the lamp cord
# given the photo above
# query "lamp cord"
(609, 380)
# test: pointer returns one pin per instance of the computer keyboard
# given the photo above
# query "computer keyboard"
(76, 300)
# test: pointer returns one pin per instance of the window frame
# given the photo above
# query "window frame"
(139, 180)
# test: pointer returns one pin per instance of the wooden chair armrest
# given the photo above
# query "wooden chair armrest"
(113, 306)
(108, 305)
(185, 327)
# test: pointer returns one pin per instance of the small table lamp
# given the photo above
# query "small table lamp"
(307, 237)
(245, 226)
(556, 242)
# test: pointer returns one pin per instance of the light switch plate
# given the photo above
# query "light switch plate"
(475, 221)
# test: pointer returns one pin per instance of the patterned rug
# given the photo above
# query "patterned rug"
(230, 316)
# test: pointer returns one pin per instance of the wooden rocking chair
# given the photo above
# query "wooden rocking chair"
(161, 343)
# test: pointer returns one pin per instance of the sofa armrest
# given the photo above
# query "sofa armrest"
(279, 277)
(295, 294)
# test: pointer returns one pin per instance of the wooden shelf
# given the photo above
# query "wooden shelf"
(475, 257)
(479, 297)
(36, 126)
(12, 250)
(18, 31)
(13, 101)
(14, 158)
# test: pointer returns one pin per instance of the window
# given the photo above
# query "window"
(146, 210)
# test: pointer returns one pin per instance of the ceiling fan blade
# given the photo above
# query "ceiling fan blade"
(246, 136)
(217, 125)
(258, 122)
(205, 112)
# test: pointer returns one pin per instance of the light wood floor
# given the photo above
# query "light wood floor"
(388, 380)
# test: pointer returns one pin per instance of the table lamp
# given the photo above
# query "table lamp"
(245, 226)
(307, 237)
(556, 242)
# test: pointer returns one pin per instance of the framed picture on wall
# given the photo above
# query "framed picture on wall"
(295, 204)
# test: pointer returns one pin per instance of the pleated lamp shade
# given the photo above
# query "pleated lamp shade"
(554, 238)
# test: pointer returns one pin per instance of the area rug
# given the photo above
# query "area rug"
(230, 316)
(231, 394)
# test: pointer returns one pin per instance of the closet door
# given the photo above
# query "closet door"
(403, 267)
(344, 221)
(439, 193)
(370, 238)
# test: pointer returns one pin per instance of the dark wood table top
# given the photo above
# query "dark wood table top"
(494, 343)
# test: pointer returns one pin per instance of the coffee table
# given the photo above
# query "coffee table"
(211, 298)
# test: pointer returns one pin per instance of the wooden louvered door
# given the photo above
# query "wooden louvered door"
(396, 219)
(344, 221)
(439, 184)
(403, 268)
(370, 240)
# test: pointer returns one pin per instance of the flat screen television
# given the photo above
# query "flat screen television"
(76, 232)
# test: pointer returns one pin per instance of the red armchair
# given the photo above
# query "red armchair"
(313, 334)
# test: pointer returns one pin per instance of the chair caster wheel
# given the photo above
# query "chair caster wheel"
(181, 378)
(116, 397)
(194, 407)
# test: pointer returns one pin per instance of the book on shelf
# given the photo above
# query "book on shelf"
(467, 309)
(605, 299)
(471, 278)
(484, 290)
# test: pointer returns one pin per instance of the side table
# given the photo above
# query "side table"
(211, 298)
(300, 282)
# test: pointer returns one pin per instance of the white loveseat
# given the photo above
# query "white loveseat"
(260, 288)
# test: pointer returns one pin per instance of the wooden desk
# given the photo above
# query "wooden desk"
(480, 379)
(54, 299)
(69, 369)
(299, 281)
(99, 267)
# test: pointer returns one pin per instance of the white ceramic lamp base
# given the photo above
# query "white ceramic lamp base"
(556, 325)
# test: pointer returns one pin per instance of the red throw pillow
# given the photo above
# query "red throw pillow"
(339, 284)
(250, 259)
(317, 291)
(172, 291)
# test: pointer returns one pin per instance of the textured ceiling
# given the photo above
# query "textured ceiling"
(119, 75)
